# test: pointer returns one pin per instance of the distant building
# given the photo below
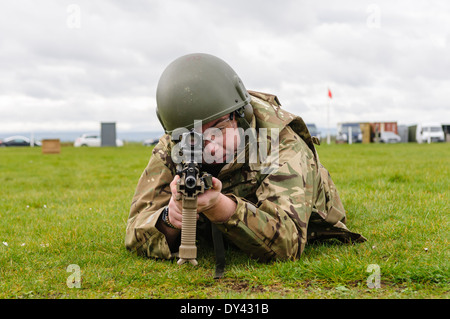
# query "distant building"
(446, 128)
(412, 133)
(366, 132)
(378, 127)
(108, 134)
(403, 133)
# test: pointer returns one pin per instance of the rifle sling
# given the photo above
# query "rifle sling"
(219, 250)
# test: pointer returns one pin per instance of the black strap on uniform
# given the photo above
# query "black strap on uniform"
(219, 250)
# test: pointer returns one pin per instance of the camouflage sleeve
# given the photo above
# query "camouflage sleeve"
(276, 226)
(151, 196)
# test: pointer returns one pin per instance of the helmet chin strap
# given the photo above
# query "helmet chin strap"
(244, 116)
(243, 123)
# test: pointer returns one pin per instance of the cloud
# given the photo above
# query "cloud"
(383, 60)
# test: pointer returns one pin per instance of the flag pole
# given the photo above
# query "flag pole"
(328, 117)
(328, 122)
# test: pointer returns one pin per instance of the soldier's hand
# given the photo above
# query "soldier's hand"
(175, 207)
(210, 198)
(217, 207)
(175, 204)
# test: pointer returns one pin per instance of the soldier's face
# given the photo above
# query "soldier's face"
(221, 140)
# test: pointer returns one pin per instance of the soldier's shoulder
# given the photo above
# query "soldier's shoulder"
(267, 97)
(163, 151)
(268, 113)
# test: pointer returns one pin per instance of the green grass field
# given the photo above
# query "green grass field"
(71, 209)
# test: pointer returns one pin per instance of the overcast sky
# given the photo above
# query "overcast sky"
(69, 65)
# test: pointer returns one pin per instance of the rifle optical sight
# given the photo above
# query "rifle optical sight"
(192, 141)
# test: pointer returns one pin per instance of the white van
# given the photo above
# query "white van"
(429, 132)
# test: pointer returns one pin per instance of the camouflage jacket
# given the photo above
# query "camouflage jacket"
(276, 214)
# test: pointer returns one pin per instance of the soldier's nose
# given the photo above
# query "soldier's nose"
(210, 147)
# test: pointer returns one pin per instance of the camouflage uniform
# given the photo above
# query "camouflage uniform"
(276, 214)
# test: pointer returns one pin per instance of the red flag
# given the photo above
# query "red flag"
(329, 93)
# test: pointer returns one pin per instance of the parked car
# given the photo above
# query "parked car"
(17, 141)
(389, 137)
(312, 128)
(429, 132)
(92, 140)
(343, 133)
(150, 141)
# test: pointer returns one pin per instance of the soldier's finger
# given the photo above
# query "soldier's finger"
(175, 207)
(216, 184)
(175, 216)
(175, 220)
(173, 187)
(173, 184)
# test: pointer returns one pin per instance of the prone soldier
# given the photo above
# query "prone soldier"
(268, 214)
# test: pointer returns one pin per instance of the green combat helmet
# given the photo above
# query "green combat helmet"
(199, 87)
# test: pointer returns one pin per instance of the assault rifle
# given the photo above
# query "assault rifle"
(192, 183)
